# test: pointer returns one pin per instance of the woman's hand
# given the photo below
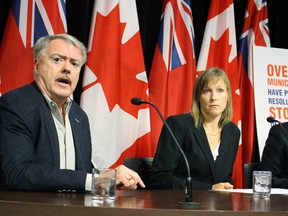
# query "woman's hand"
(222, 185)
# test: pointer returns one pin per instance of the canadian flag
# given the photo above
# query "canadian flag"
(115, 73)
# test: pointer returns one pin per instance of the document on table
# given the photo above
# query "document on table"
(250, 191)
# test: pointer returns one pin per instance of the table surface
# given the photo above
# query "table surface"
(142, 202)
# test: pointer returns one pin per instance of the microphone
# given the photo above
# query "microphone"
(188, 188)
(271, 119)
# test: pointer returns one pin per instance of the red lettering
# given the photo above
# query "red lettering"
(284, 71)
(277, 70)
(279, 112)
(270, 70)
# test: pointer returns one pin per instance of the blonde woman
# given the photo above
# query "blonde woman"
(207, 136)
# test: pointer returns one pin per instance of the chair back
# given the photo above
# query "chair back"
(143, 166)
(248, 173)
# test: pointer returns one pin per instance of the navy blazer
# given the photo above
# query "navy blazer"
(169, 169)
(275, 156)
(29, 147)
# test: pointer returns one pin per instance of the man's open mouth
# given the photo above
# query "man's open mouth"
(64, 80)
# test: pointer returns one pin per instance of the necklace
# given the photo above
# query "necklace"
(210, 134)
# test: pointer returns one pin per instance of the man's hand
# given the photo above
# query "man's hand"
(127, 178)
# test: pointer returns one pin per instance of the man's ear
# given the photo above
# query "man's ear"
(36, 66)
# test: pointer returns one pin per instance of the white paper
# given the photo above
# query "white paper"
(250, 191)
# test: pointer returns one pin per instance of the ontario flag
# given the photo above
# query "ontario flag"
(255, 32)
(115, 73)
(173, 70)
(219, 49)
(27, 22)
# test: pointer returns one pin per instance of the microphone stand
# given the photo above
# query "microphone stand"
(188, 187)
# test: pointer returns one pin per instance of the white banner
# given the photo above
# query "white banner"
(270, 70)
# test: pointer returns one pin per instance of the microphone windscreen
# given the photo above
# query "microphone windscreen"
(271, 119)
(136, 101)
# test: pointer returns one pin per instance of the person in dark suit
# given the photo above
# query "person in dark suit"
(45, 142)
(207, 136)
(275, 156)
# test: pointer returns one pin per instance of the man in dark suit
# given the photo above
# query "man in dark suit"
(45, 142)
(275, 156)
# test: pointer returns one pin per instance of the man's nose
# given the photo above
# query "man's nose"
(67, 67)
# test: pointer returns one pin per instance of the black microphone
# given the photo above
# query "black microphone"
(188, 188)
(271, 119)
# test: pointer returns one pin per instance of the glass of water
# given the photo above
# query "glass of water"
(262, 181)
(103, 185)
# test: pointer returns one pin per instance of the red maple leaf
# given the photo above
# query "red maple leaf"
(115, 64)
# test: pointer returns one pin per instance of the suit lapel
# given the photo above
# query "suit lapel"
(51, 130)
(76, 126)
(225, 141)
(204, 145)
(49, 125)
(223, 149)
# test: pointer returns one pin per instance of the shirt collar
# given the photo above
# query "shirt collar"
(53, 105)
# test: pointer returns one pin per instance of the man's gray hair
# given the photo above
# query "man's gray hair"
(43, 42)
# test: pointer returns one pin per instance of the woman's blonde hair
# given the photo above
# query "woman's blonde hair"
(208, 77)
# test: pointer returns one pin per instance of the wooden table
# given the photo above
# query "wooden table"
(141, 202)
